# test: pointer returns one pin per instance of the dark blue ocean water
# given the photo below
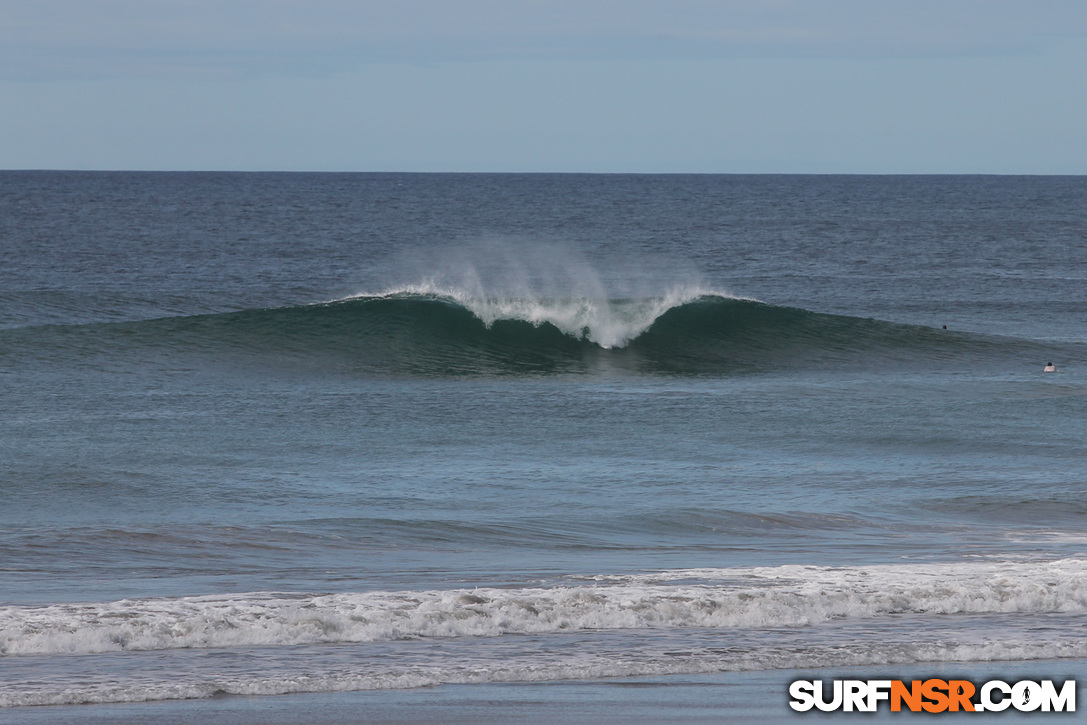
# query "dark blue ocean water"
(271, 433)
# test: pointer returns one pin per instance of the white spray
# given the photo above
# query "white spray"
(548, 283)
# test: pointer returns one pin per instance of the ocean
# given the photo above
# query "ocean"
(269, 434)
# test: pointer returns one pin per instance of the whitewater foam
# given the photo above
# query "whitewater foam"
(565, 666)
(787, 596)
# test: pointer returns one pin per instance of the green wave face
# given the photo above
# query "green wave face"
(439, 335)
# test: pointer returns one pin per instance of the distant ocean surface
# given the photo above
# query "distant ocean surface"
(277, 433)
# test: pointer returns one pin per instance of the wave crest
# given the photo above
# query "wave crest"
(610, 323)
(434, 331)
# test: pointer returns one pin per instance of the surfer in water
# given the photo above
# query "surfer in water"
(1049, 368)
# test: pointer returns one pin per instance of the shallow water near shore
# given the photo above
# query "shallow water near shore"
(720, 697)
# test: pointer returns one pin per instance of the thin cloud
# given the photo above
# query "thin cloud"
(66, 39)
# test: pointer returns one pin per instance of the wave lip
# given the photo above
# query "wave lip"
(609, 323)
(787, 596)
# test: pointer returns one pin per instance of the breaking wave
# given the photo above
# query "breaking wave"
(672, 622)
(786, 596)
(433, 331)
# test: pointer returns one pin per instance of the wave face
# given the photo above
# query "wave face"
(610, 323)
(423, 331)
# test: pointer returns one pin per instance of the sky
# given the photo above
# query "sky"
(646, 86)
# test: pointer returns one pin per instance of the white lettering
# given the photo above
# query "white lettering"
(987, 699)
(855, 695)
(835, 703)
(878, 690)
(1027, 696)
(1064, 701)
(803, 694)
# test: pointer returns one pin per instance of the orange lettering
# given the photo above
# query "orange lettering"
(912, 695)
(960, 692)
(931, 689)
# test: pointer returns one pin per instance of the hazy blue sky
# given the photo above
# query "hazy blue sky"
(895, 86)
